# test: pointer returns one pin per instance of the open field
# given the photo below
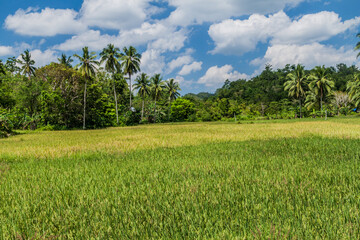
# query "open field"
(280, 180)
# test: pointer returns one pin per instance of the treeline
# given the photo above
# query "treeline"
(91, 94)
(100, 94)
(291, 92)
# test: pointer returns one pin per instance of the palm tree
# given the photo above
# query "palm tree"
(27, 64)
(357, 47)
(110, 56)
(156, 89)
(353, 88)
(130, 64)
(320, 84)
(297, 84)
(66, 61)
(172, 89)
(142, 84)
(87, 67)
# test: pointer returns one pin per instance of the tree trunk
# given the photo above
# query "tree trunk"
(116, 103)
(130, 89)
(321, 97)
(84, 117)
(300, 109)
(169, 107)
(155, 112)
(142, 109)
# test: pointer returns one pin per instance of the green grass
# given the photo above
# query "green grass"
(280, 185)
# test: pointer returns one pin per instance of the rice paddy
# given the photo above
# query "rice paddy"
(275, 180)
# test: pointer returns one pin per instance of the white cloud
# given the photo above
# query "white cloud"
(93, 39)
(157, 36)
(187, 69)
(152, 62)
(314, 28)
(189, 12)
(178, 62)
(216, 76)
(172, 42)
(236, 37)
(115, 14)
(6, 50)
(47, 22)
(310, 55)
(43, 58)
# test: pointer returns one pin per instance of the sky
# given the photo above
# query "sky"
(200, 43)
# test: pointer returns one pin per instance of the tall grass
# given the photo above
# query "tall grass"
(289, 182)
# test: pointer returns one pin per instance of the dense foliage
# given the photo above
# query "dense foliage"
(283, 93)
(60, 96)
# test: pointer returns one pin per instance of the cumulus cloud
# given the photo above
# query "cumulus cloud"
(216, 76)
(92, 38)
(115, 14)
(47, 22)
(236, 37)
(152, 62)
(178, 62)
(6, 50)
(314, 28)
(240, 36)
(310, 55)
(187, 69)
(189, 12)
(156, 36)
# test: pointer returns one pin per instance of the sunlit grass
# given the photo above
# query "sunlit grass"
(121, 140)
(282, 180)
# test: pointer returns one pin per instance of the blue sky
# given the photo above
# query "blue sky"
(200, 43)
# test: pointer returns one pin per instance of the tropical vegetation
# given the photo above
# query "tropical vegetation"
(49, 97)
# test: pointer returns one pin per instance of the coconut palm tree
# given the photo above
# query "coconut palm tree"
(172, 89)
(142, 84)
(297, 84)
(87, 67)
(357, 47)
(320, 83)
(110, 56)
(27, 64)
(156, 88)
(66, 61)
(130, 64)
(353, 88)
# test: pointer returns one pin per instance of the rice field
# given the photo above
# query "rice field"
(273, 180)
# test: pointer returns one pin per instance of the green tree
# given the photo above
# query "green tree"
(357, 47)
(156, 88)
(320, 83)
(11, 65)
(142, 84)
(66, 61)
(182, 109)
(130, 64)
(87, 67)
(110, 56)
(353, 88)
(172, 88)
(2, 68)
(27, 64)
(297, 84)
(61, 102)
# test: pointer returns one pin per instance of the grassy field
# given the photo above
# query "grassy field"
(277, 180)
